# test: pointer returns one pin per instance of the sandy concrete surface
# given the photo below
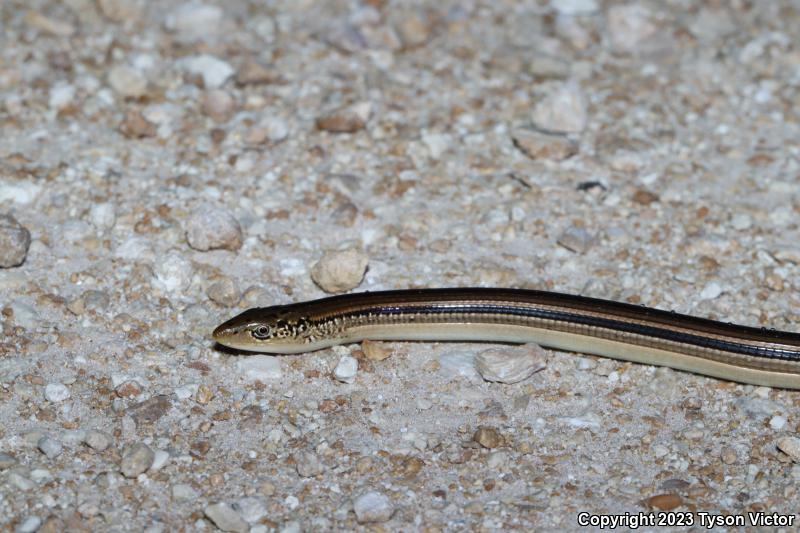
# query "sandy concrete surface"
(176, 163)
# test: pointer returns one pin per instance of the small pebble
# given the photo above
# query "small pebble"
(497, 460)
(375, 351)
(103, 216)
(791, 447)
(62, 95)
(340, 270)
(308, 464)
(127, 82)
(251, 509)
(226, 518)
(218, 105)
(347, 119)
(54, 26)
(711, 291)
(183, 492)
(457, 363)
(488, 437)
(628, 26)
(224, 292)
(56, 392)
(29, 525)
(510, 364)
(6, 461)
(574, 7)
(136, 460)
(50, 447)
(778, 422)
(120, 10)
(576, 239)
(136, 126)
(19, 192)
(97, 440)
(373, 506)
(193, 21)
(160, 458)
(539, 145)
(664, 502)
(293, 526)
(563, 110)
(214, 71)
(20, 480)
(346, 369)
(209, 228)
(260, 367)
(173, 273)
(14, 242)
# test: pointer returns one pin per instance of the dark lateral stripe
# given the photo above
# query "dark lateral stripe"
(764, 352)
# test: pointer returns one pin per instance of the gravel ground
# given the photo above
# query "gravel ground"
(164, 166)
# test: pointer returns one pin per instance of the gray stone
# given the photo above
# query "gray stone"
(136, 460)
(226, 518)
(14, 242)
(373, 506)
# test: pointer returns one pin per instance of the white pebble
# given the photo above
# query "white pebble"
(160, 458)
(195, 21)
(25, 315)
(563, 110)
(260, 367)
(628, 26)
(29, 525)
(214, 71)
(711, 291)
(97, 440)
(61, 96)
(510, 364)
(436, 143)
(56, 392)
(210, 227)
(49, 446)
(103, 216)
(308, 464)
(373, 506)
(741, 221)
(225, 517)
(20, 192)
(457, 363)
(777, 422)
(21, 482)
(127, 82)
(340, 270)
(277, 129)
(183, 492)
(173, 273)
(346, 369)
(251, 509)
(497, 459)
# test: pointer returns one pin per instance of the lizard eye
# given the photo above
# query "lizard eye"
(261, 332)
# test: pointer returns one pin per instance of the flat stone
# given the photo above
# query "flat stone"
(136, 460)
(14, 241)
(226, 518)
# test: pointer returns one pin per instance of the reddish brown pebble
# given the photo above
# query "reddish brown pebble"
(135, 126)
(644, 197)
(488, 437)
(665, 502)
